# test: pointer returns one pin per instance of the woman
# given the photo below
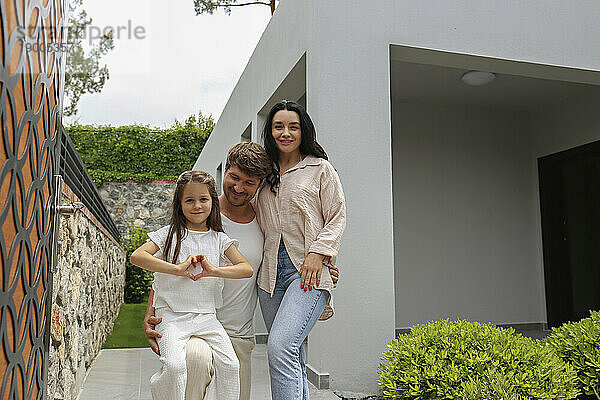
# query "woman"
(302, 212)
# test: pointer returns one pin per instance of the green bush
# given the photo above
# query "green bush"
(452, 360)
(138, 281)
(492, 386)
(140, 153)
(578, 343)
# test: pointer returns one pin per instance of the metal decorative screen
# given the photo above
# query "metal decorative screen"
(31, 81)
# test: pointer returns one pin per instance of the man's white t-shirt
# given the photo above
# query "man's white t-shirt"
(240, 295)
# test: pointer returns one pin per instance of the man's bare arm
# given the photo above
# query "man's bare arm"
(150, 321)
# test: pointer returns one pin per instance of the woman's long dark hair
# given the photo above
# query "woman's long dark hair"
(177, 225)
(308, 141)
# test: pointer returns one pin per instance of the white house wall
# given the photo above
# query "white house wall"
(348, 94)
(351, 113)
(463, 216)
(566, 125)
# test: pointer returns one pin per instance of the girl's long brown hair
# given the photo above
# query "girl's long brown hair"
(177, 224)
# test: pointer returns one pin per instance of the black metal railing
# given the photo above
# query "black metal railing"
(76, 176)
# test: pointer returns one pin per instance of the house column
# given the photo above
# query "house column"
(348, 96)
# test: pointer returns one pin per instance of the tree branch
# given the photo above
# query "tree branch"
(242, 4)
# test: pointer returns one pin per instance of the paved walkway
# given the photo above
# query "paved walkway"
(124, 374)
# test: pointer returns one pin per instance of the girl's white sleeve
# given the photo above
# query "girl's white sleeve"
(159, 237)
(224, 243)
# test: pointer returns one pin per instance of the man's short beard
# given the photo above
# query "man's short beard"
(244, 200)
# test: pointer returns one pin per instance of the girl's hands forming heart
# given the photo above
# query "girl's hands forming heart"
(207, 268)
(183, 268)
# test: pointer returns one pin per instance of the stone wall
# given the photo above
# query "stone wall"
(86, 296)
(145, 204)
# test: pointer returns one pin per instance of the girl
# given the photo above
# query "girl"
(186, 295)
(302, 213)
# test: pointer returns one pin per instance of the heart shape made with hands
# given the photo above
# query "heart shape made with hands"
(196, 269)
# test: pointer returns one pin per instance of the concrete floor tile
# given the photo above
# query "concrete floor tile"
(124, 374)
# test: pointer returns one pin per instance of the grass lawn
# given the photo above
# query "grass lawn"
(128, 331)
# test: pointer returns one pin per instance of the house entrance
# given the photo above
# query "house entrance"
(570, 211)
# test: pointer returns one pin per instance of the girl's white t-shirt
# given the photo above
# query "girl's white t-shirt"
(182, 294)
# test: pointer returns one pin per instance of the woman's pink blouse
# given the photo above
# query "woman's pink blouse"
(308, 212)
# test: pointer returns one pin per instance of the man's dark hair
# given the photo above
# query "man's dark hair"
(251, 158)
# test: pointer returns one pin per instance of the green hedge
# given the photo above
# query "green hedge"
(455, 360)
(491, 386)
(138, 281)
(578, 343)
(139, 152)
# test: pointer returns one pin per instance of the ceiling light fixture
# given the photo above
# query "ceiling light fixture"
(477, 78)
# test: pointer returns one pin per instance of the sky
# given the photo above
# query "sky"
(167, 62)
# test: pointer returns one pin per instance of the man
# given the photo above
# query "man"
(247, 164)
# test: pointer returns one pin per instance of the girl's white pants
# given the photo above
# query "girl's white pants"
(176, 329)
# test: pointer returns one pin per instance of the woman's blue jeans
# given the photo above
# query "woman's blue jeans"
(289, 315)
